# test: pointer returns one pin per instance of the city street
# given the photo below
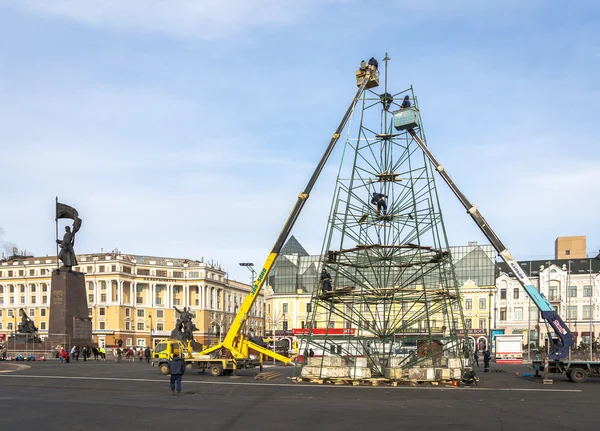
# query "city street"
(133, 396)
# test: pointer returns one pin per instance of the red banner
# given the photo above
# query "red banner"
(324, 331)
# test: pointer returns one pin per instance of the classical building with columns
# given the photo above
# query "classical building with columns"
(130, 297)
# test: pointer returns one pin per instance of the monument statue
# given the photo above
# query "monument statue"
(184, 327)
(26, 326)
(69, 323)
(67, 252)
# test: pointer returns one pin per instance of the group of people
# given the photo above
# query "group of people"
(131, 353)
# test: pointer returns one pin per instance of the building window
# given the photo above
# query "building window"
(139, 300)
(587, 291)
(587, 312)
(89, 269)
(502, 293)
(103, 297)
(101, 268)
(102, 325)
(178, 274)
(516, 293)
(0, 326)
(518, 313)
(31, 272)
(176, 301)
(90, 298)
(284, 307)
(9, 326)
(140, 326)
(21, 288)
(533, 313)
(127, 312)
(44, 299)
(140, 313)
(158, 301)
(554, 293)
(572, 312)
(503, 314)
(22, 300)
(572, 291)
(143, 271)
(33, 299)
(43, 312)
(308, 307)
(32, 288)
(113, 268)
(567, 252)
(42, 325)
(90, 285)
(160, 327)
(21, 273)
(128, 326)
(102, 311)
(44, 287)
(482, 303)
(159, 314)
(482, 323)
(468, 323)
(468, 304)
(161, 273)
(193, 274)
(43, 271)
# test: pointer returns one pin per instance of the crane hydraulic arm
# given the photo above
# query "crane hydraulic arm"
(234, 342)
(559, 347)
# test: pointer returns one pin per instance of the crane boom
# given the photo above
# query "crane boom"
(560, 348)
(233, 334)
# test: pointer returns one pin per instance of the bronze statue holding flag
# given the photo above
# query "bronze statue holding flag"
(67, 252)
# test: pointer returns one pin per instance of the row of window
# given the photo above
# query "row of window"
(11, 312)
(112, 268)
(9, 326)
(553, 292)
(469, 304)
(32, 288)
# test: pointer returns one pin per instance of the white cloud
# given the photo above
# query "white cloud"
(202, 19)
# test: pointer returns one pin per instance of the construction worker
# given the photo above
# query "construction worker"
(373, 64)
(406, 102)
(363, 65)
(325, 281)
(379, 201)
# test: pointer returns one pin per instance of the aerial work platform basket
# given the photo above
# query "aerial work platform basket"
(406, 118)
(361, 74)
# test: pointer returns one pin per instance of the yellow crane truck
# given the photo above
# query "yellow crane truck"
(234, 351)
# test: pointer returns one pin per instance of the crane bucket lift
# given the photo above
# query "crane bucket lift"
(405, 120)
(237, 344)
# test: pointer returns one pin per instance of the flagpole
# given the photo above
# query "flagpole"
(56, 220)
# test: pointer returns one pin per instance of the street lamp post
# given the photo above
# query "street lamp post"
(151, 330)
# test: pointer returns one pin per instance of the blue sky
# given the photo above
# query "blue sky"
(187, 128)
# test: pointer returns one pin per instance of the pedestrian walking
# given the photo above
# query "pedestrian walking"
(147, 354)
(311, 353)
(176, 369)
(140, 354)
(476, 358)
(486, 361)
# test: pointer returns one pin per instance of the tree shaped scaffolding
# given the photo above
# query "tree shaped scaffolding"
(395, 303)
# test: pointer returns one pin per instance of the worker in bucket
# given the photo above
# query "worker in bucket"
(406, 102)
(379, 202)
(373, 65)
(325, 281)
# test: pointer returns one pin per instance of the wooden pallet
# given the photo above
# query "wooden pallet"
(267, 375)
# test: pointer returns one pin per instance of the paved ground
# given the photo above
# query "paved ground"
(132, 396)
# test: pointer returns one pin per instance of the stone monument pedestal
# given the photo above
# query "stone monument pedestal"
(69, 323)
